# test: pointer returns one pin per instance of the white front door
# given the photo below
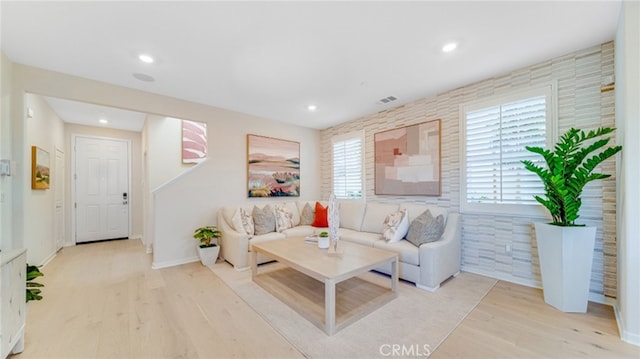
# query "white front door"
(58, 198)
(102, 189)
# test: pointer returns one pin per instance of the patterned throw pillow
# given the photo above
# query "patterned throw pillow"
(320, 219)
(264, 220)
(284, 218)
(307, 216)
(243, 222)
(425, 229)
(395, 226)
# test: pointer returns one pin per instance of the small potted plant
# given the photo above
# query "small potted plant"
(208, 248)
(33, 288)
(323, 240)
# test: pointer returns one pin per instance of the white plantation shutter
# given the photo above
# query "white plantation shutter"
(347, 166)
(495, 137)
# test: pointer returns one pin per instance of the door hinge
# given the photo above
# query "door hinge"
(75, 205)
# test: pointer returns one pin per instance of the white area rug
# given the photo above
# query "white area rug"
(416, 322)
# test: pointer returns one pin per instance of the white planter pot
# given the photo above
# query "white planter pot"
(208, 255)
(566, 256)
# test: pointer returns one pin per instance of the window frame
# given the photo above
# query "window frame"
(535, 210)
(360, 135)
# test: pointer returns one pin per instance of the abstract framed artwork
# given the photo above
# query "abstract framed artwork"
(40, 168)
(273, 167)
(407, 160)
(194, 141)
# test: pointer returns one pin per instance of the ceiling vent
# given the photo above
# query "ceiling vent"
(387, 100)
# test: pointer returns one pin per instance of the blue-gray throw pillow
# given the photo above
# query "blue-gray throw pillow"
(425, 229)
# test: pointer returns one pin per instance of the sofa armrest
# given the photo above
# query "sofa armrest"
(440, 260)
(234, 246)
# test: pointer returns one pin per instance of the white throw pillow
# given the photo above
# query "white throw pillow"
(396, 226)
(284, 218)
(242, 222)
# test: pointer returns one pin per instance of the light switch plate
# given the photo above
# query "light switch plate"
(5, 168)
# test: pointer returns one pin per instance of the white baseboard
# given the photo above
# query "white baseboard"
(593, 297)
(158, 265)
(48, 259)
(630, 338)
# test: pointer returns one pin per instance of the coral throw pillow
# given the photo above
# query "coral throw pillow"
(321, 216)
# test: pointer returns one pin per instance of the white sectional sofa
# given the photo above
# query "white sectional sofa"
(427, 265)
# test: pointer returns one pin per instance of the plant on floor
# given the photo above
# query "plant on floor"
(206, 234)
(569, 169)
(33, 288)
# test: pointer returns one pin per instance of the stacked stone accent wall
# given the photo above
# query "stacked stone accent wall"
(582, 102)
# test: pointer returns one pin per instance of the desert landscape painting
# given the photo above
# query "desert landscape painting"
(39, 168)
(273, 167)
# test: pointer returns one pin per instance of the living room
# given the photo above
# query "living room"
(192, 200)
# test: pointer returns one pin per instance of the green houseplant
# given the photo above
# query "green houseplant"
(208, 249)
(33, 288)
(565, 249)
(569, 169)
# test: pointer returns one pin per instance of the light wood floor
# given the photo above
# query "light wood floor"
(104, 301)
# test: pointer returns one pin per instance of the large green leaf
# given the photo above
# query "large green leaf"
(569, 169)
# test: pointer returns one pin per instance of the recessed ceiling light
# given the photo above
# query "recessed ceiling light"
(312, 107)
(146, 58)
(103, 121)
(449, 47)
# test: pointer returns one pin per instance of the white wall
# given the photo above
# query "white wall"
(45, 130)
(164, 155)
(6, 242)
(628, 203)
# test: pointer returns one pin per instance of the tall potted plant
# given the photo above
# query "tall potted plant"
(565, 249)
(208, 249)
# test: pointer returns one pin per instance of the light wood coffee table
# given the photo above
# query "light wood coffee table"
(356, 297)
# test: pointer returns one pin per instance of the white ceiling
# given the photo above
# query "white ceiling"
(90, 115)
(272, 59)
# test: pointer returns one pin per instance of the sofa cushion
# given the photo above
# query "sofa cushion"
(302, 231)
(284, 217)
(425, 228)
(307, 215)
(407, 252)
(363, 238)
(264, 220)
(374, 216)
(351, 214)
(242, 221)
(320, 219)
(271, 236)
(395, 226)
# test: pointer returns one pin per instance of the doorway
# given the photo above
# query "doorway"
(100, 188)
(58, 198)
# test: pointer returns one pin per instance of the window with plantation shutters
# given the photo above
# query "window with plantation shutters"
(347, 165)
(495, 134)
